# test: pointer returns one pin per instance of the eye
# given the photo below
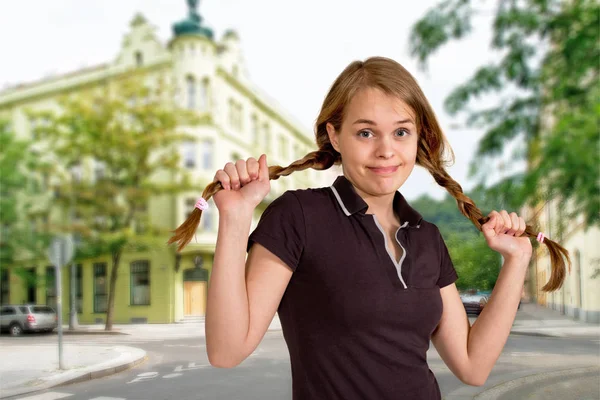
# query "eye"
(364, 134)
(402, 132)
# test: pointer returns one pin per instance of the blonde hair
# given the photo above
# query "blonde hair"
(433, 151)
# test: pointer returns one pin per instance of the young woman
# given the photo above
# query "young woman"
(360, 281)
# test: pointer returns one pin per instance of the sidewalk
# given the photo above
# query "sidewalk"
(19, 374)
(26, 369)
(533, 319)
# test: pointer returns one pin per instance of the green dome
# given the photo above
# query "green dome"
(192, 25)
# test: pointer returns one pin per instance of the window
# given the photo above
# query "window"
(189, 154)
(204, 95)
(190, 83)
(283, 147)
(207, 222)
(231, 110)
(78, 288)
(266, 138)
(8, 311)
(139, 58)
(235, 114)
(51, 286)
(140, 283)
(4, 287)
(207, 154)
(239, 117)
(31, 285)
(100, 298)
(254, 129)
(189, 206)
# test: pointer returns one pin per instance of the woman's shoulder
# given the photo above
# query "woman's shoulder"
(308, 196)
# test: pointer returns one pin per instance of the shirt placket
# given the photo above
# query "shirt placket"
(397, 265)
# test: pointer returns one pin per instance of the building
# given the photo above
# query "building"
(579, 297)
(240, 121)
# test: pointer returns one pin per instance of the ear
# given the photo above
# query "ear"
(333, 136)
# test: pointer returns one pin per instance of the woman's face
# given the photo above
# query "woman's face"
(378, 142)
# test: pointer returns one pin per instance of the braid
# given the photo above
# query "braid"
(321, 159)
(467, 207)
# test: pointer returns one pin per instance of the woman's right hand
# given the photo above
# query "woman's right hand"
(245, 184)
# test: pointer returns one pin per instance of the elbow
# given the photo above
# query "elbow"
(221, 359)
(474, 379)
(223, 362)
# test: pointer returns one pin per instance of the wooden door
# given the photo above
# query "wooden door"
(194, 298)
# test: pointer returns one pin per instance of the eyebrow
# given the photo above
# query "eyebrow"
(368, 121)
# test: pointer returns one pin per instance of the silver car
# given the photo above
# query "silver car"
(17, 319)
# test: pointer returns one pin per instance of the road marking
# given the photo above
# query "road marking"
(108, 398)
(47, 396)
(190, 367)
(144, 376)
(171, 376)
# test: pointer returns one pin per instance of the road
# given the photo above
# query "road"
(179, 369)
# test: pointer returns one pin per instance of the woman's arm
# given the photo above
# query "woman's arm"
(243, 296)
(471, 352)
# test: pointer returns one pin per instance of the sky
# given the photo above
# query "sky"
(293, 49)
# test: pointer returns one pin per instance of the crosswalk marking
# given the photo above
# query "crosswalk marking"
(47, 396)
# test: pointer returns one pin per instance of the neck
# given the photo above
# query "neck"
(381, 206)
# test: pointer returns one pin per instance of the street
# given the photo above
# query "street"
(179, 369)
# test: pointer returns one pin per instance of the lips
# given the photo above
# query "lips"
(384, 170)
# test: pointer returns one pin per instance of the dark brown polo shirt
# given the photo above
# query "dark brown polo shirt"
(357, 323)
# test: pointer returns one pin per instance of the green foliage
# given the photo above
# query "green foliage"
(548, 67)
(118, 145)
(21, 237)
(476, 264)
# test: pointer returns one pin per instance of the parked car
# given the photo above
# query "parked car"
(473, 303)
(17, 319)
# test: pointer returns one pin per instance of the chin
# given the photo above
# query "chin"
(386, 185)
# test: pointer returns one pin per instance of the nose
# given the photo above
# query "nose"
(384, 148)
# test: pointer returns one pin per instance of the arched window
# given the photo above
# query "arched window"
(204, 95)
(190, 84)
(139, 58)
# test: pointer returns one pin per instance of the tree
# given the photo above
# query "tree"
(547, 73)
(21, 237)
(128, 132)
(476, 264)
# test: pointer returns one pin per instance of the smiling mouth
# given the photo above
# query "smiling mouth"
(385, 170)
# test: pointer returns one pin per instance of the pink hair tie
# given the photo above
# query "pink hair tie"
(540, 237)
(201, 204)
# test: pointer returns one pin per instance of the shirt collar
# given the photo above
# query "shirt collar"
(351, 202)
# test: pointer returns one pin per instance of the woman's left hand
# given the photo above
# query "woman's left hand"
(503, 234)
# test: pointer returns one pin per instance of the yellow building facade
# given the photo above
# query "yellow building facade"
(579, 297)
(239, 121)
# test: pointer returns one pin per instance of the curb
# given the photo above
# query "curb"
(538, 334)
(503, 388)
(68, 377)
(90, 332)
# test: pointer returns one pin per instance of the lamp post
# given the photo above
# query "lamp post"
(73, 322)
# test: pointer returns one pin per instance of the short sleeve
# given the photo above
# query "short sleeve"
(448, 273)
(281, 229)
